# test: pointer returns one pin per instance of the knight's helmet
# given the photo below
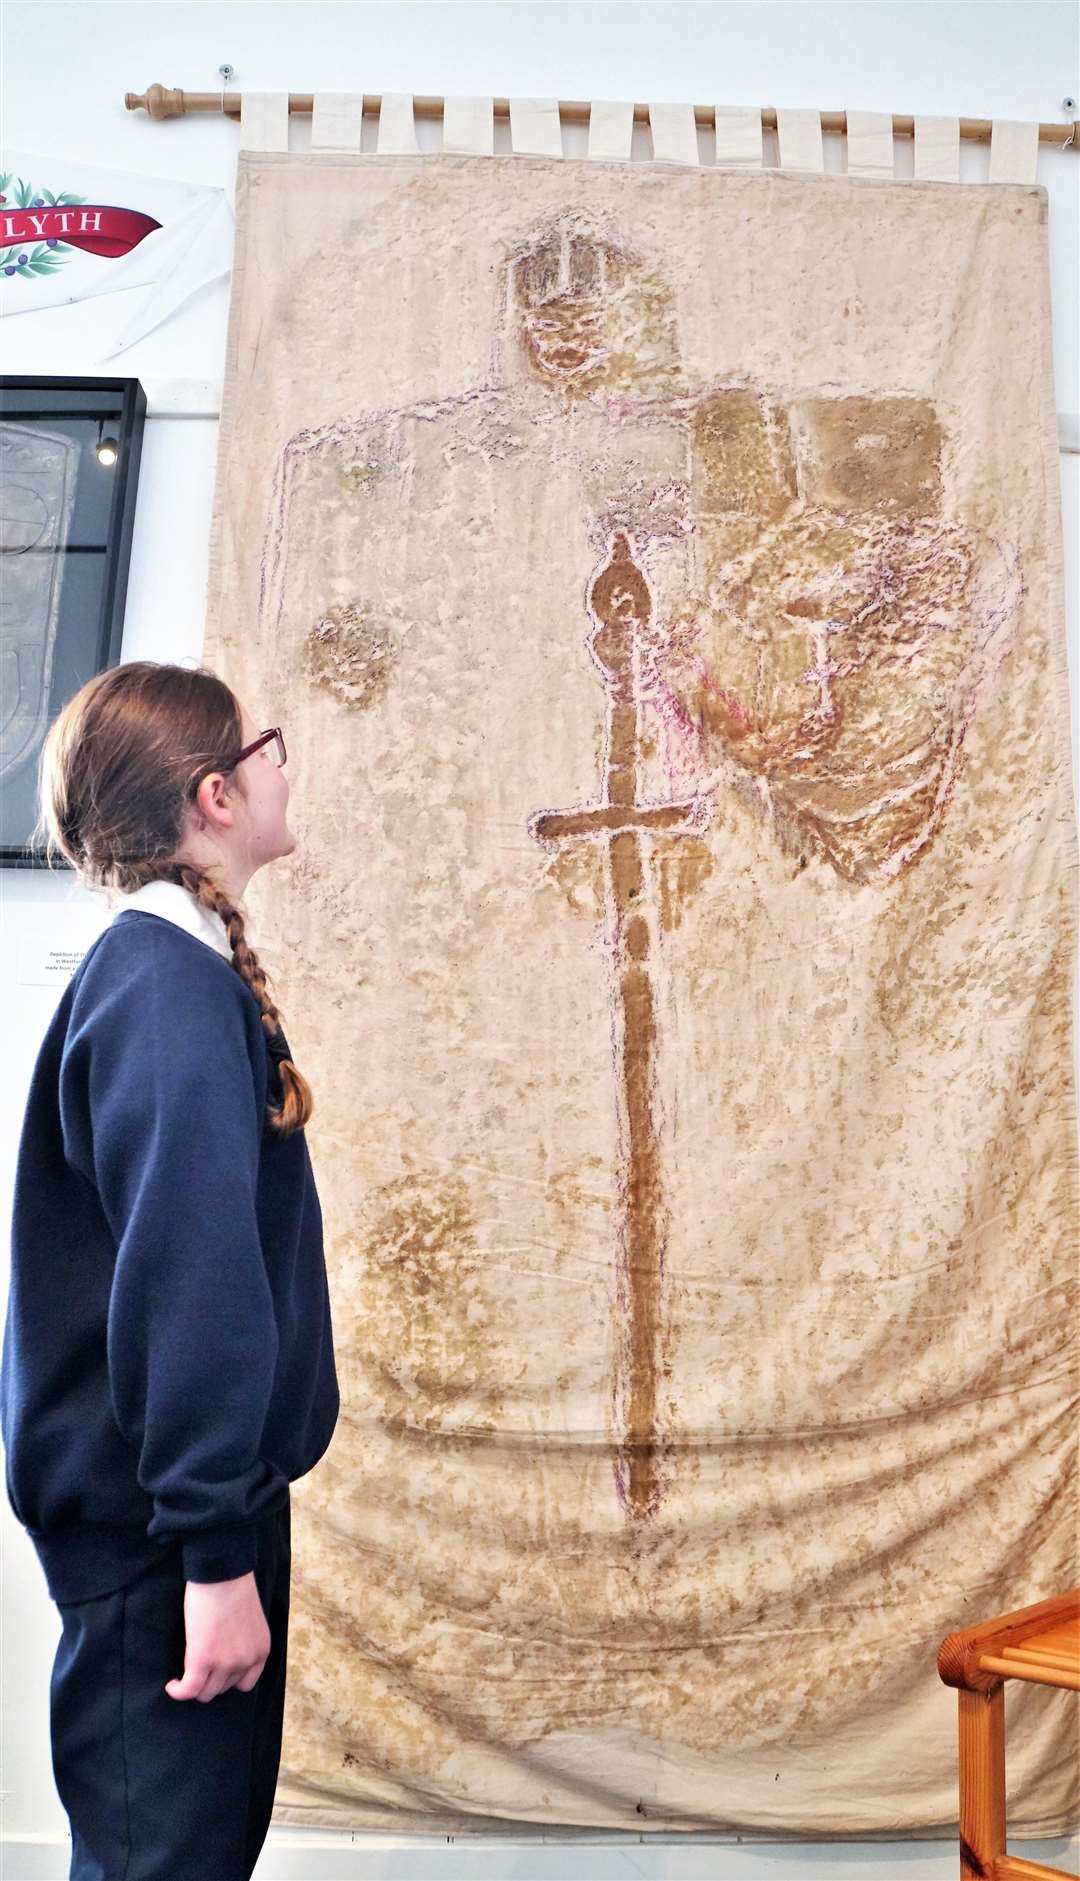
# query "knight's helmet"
(573, 298)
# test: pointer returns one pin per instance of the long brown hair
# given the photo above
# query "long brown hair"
(118, 769)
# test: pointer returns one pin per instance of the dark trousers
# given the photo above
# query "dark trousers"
(159, 1788)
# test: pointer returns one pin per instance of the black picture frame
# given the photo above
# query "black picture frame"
(82, 624)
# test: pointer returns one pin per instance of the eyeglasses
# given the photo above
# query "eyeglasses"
(278, 753)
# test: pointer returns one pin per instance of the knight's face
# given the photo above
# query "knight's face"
(567, 338)
(567, 289)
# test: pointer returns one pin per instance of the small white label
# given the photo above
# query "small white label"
(47, 962)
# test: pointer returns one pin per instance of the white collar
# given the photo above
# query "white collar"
(173, 902)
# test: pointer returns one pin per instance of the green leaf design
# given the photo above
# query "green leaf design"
(41, 260)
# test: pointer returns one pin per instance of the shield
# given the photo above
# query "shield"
(38, 471)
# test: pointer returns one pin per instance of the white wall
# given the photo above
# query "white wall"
(67, 68)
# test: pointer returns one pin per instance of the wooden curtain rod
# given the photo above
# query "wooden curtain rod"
(160, 102)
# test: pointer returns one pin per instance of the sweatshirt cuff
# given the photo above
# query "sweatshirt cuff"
(220, 1554)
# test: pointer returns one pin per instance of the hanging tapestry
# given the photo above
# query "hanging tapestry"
(657, 573)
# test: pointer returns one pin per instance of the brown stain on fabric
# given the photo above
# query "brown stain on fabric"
(361, 476)
(670, 1628)
(864, 453)
(434, 1359)
(579, 877)
(351, 654)
(682, 867)
(578, 1190)
(743, 463)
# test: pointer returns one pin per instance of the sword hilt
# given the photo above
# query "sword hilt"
(620, 602)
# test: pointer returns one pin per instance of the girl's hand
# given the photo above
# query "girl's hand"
(227, 1639)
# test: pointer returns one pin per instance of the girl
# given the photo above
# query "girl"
(168, 1365)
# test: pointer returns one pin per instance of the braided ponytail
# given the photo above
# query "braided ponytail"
(296, 1104)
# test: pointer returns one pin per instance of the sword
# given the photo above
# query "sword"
(620, 605)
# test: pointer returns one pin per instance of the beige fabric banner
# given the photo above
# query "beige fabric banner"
(678, 943)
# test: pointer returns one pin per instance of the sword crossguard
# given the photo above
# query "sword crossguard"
(552, 827)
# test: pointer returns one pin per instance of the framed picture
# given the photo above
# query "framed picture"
(69, 472)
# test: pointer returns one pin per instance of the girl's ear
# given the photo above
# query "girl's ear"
(212, 804)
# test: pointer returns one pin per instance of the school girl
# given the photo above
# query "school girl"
(168, 1365)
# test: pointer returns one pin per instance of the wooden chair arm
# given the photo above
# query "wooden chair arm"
(960, 1655)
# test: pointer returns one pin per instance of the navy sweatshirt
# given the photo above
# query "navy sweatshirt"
(168, 1365)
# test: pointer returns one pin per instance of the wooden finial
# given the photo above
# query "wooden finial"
(158, 101)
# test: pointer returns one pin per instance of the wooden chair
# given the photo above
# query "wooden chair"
(1042, 1644)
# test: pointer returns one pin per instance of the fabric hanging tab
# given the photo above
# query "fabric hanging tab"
(1014, 151)
(337, 120)
(535, 129)
(264, 120)
(870, 143)
(801, 146)
(468, 127)
(611, 129)
(739, 143)
(937, 150)
(674, 133)
(397, 125)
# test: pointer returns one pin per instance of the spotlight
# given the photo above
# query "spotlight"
(107, 449)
